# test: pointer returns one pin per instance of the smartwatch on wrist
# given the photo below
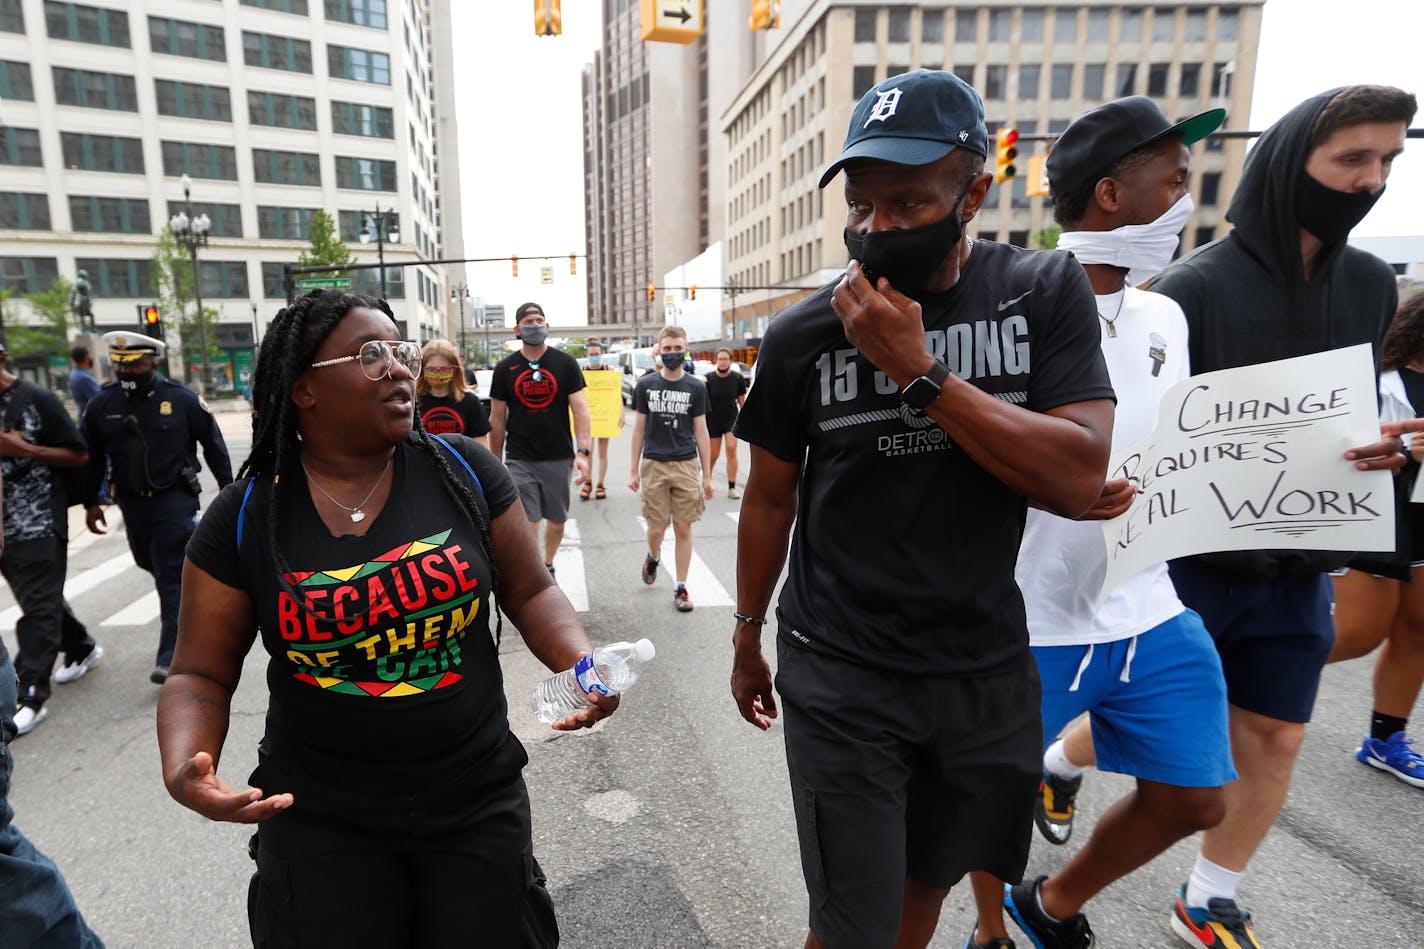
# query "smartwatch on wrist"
(584, 451)
(924, 390)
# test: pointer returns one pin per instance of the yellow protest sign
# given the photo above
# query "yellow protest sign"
(604, 392)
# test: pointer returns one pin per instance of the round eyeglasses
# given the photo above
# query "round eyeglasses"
(378, 358)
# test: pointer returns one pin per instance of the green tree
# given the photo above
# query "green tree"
(1047, 239)
(49, 333)
(173, 292)
(326, 248)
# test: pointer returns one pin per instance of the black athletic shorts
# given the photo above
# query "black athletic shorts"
(896, 776)
(720, 423)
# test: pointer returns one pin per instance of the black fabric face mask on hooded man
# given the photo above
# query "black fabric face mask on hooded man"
(1329, 214)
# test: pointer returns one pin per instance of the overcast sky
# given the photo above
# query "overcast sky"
(521, 124)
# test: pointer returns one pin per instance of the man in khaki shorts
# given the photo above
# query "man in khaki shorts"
(670, 450)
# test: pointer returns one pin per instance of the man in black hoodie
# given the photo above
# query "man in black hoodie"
(1283, 283)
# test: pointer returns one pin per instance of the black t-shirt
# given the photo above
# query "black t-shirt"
(400, 691)
(670, 407)
(35, 499)
(722, 394)
(537, 427)
(442, 415)
(904, 548)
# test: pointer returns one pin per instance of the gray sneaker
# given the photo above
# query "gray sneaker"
(76, 670)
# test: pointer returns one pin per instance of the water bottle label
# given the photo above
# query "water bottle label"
(587, 677)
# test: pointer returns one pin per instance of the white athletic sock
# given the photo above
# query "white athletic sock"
(1055, 761)
(1038, 900)
(1209, 880)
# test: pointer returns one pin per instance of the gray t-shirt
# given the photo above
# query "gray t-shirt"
(670, 407)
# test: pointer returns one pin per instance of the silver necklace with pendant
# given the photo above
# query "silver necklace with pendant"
(357, 515)
(1112, 323)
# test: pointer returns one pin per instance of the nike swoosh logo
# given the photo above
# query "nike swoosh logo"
(1008, 303)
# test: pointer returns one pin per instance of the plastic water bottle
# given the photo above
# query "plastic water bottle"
(608, 670)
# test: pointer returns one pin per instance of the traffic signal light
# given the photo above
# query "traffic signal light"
(692, 292)
(150, 320)
(766, 15)
(548, 19)
(514, 266)
(573, 264)
(652, 293)
(1007, 150)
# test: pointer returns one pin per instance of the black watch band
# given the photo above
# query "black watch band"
(925, 389)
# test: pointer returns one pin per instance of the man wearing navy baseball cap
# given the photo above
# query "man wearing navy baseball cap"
(933, 391)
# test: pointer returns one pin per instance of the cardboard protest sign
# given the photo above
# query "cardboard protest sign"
(603, 389)
(1254, 458)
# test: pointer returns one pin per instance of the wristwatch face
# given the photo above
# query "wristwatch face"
(919, 393)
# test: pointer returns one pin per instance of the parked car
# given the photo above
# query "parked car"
(634, 364)
(484, 378)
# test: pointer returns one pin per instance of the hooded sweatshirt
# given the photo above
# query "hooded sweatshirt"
(1247, 300)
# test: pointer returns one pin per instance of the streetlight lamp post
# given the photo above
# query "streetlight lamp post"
(461, 292)
(191, 233)
(387, 227)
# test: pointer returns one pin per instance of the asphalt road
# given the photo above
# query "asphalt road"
(670, 825)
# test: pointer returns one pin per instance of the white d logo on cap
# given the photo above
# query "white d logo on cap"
(885, 104)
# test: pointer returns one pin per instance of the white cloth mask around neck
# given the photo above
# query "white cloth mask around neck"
(1144, 249)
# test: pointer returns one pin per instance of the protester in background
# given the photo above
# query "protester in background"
(367, 555)
(599, 363)
(1377, 600)
(446, 407)
(671, 458)
(533, 392)
(82, 384)
(726, 391)
(38, 441)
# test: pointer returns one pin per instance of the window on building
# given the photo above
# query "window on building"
(226, 219)
(181, 38)
(192, 100)
(1031, 25)
(121, 278)
(899, 25)
(276, 52)
(95, 90)
(932, 26)
(284, 224)
(1097, 26)
(1204, 235)
(282, 111)
(999, 21)
(1157, 80)
(12, 16)
(1228, 23)
(1164, 24)
(1061, 82)
(273, 287)
(865, 24)
(1215, 143)
(996, 78)
(1018, 192)
(16, 83)
(23, 211)
(365, 174)
(1065, 26)
(28, 274)
(222, 279)
(360, 12)
(199, 161)
(349, 224)
(1190, 85)
(1018, 238)
(861, 80)
(85, 152)
(372, 121)
(1126, 79)
(1196, 25)
(368, 282)
(85, 24)
(1221, 74)
(101, 214)
(966, 25)
(286, 168)
(1210, 188)
(1129, 26)
(1028, 81)
(1093, 81)
(359, 64)
(298, 7)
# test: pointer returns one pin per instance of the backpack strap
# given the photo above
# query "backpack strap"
(242, 511)
(463, 463)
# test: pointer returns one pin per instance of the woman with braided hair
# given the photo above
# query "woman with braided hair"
(364, 553)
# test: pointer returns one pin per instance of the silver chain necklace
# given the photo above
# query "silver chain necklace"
(1112, 323)
(357, 515)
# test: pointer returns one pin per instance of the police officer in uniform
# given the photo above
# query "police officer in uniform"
(147, 427)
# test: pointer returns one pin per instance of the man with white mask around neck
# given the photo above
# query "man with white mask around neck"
(1142, 665)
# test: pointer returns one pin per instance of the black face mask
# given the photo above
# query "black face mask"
(909, 257)
(138, 385)
(1329, 214)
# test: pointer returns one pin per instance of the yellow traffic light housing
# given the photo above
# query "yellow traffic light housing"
(1006, 141)
(652, 293)
(548, 18)
(692, 292)
(514, 266)
(573, 264)
(766, 15)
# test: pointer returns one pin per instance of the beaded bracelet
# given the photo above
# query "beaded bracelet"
(744, 618)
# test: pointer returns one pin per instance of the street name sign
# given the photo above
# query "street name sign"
(325, 283)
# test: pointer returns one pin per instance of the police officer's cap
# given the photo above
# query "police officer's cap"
(125, 346)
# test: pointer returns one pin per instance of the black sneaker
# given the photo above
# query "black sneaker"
(1021, 902)
(650, 569)
(991, 944)
(1053, 810)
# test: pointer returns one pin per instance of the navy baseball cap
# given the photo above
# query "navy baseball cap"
(1100, 136)
(913, 119)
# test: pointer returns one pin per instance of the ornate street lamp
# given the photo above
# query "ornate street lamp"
(191, 232)
(387, 228)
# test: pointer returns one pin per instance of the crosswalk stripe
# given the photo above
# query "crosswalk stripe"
(568, 567)
(113, 518)
(138, 613)
(702, 583)
(78, 585)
